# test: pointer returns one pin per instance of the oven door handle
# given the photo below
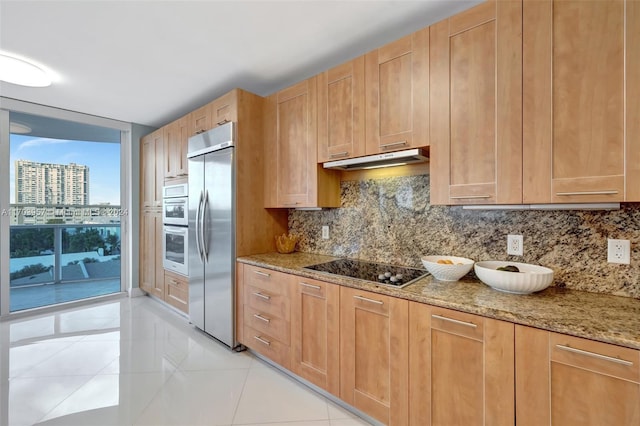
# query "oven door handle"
(199, 226)
(175, 230)
(204, 233)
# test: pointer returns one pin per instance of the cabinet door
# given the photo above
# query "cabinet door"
(462, 368)
(564, 380)
(315, 340)
(575, 66)
(176, 138)
(151, 270)
(224, 109)
(341, 112)
(476, 106)
(374, 354)
(152, 175)
(200, 120)
(293, 177)
(397, 85)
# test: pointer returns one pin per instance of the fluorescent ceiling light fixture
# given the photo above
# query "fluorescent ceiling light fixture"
(19, 71)
(19, 128)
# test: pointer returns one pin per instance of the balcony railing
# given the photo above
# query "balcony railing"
(53, 253)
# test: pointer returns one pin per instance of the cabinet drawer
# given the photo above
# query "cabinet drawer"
(272, 304)
(371, 302)
(268, 346)
(176, 292)
(460, 323)
(275, 283)
(311, 287)
(600, 357)
(268, 324)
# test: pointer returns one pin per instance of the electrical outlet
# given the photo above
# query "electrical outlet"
(325, 232)
(618, 251)
(514, 245)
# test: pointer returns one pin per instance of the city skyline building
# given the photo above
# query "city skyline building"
(51, 184)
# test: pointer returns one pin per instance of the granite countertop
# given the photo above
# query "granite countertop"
(601, 317)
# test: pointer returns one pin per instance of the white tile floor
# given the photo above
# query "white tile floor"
(135, 362)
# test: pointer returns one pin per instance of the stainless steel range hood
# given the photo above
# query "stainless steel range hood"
(397, 158)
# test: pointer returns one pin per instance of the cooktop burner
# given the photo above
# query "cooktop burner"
(397, 276)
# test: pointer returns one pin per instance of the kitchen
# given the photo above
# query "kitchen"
(403, 222)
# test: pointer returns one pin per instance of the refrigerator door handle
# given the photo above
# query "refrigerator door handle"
(205, 233)
(199, 227)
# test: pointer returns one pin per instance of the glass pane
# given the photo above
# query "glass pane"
(65, 212)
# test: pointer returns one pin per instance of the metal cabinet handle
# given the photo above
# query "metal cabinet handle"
(291, 204)
(315, 287)
(339, 154)
(364, 299)
(261, 318)
(463, 197)
(595, 355)
(391, 145)
(264, 274)
(455, 321)
(261, 340)
(200, 131)
(262, 296)
(221, 122)
(564, 194)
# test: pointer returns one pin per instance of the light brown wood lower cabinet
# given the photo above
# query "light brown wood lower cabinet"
(564, 380)
(176, 291)
(461, 368)
(266, 313)
(374, 346)
(315, 332)
(151, 270)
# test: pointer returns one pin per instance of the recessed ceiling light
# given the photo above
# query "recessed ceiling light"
(19, 71)
(19, 128)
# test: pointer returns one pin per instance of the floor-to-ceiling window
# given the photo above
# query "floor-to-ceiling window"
(63, 202)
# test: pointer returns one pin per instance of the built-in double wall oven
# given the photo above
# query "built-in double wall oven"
(175, 230)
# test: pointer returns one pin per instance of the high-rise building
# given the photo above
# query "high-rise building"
(44, 183)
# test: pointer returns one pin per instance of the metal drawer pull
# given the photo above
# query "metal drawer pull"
(455, 321)
(339, 154)
(463, 197)
(221, 122)
(264, 274)
(595, 355)
(564, 194)
(364, 299)
(291, 204)
(261, 318)
(390, 145)
(315, 287)
(262, 296)
(261, 340)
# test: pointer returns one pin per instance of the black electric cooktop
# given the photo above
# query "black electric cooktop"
(397, 276)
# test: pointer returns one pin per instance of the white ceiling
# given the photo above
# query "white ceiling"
(150, 62)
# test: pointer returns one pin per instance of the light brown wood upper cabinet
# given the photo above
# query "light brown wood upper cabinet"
(152, 169)
(176, 136)
(476, 106)
(215, 113)
(315, 332)
(577, 56)
(397, 94)
(341, 112)
(462, 368)
(293, 177)
(564, 380)
(374, 354)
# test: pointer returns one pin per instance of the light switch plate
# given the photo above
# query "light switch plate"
(325, 232)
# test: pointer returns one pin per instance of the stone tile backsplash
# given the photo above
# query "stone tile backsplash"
(390, 220)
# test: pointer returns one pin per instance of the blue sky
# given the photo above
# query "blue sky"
(102, 158)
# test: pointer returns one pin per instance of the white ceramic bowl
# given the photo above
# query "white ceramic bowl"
(531, 278)
(444, 272)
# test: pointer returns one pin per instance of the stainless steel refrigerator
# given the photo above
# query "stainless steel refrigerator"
(212, 232)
